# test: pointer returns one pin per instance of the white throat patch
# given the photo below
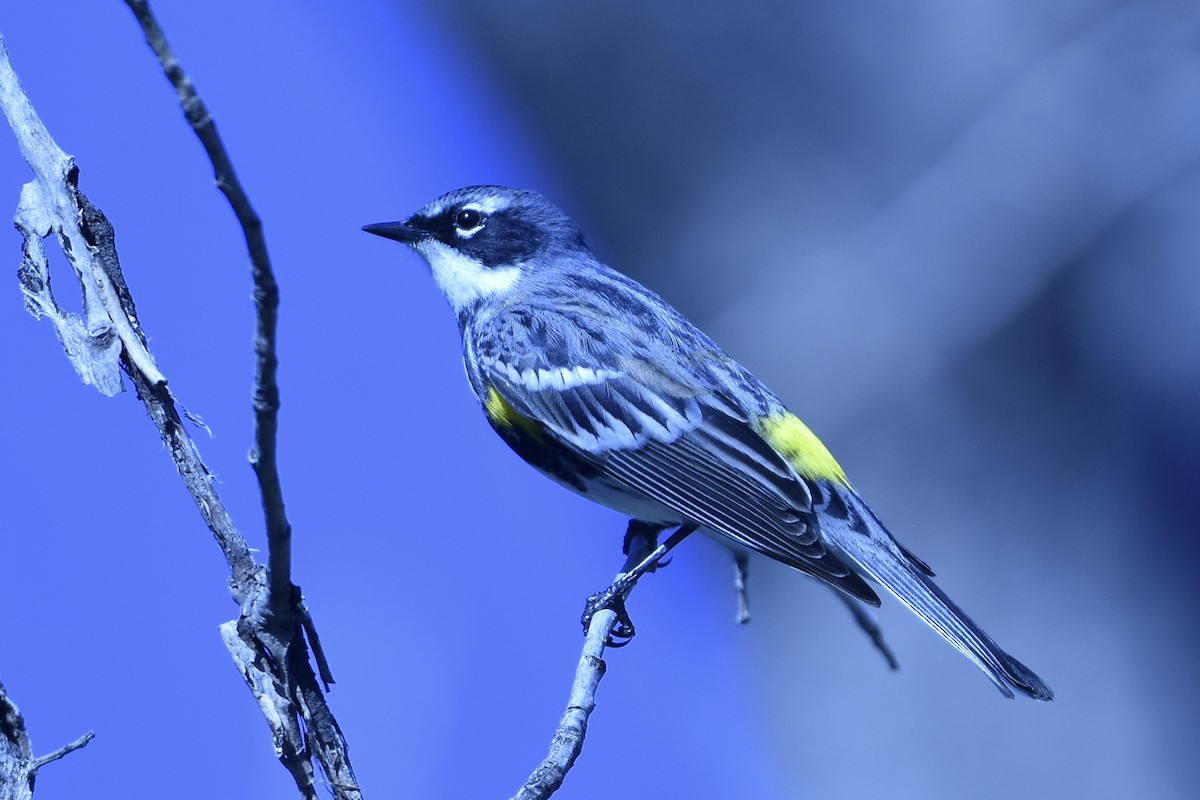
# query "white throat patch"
(462, 279)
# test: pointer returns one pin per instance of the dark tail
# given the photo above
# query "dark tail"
(863, 539)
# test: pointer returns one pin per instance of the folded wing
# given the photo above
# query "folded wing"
(690, 450)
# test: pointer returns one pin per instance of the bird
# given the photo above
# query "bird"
(604, 387)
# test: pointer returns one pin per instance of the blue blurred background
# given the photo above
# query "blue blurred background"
(962, 240)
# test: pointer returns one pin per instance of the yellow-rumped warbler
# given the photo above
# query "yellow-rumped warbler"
(595, 381)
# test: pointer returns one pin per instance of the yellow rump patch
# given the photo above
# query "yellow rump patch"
(503, 415)
(793, 440)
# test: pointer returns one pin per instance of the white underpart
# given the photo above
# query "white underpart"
(462, 279)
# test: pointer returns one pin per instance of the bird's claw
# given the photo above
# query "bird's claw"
(611, 599)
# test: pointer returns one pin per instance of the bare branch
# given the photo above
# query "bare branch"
(18, 767)
(741, 578)
(867, 621)
(53, 203)
(567, 742)
(266, 301)
(863, 615)
(16, 752)
(641, 542)
(272, 652)
(63, 751)
(279, 621)
(275, 705)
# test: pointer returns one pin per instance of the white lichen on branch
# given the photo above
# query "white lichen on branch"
(51, 204)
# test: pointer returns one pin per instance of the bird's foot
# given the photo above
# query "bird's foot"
(611, 599)
(638, 563)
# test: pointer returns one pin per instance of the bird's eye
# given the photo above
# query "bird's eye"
(468, 219)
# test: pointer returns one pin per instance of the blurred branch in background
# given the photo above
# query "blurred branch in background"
(905, 181)
(997, 217)
(269, 645)
(1045, 453)
(962, 242)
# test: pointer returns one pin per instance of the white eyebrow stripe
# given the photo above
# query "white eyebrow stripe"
(488, 205)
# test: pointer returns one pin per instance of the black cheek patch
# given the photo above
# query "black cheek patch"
(503, 240)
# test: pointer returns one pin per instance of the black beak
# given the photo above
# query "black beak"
(399, 231)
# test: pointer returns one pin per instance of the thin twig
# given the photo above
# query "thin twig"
(18, 767)
(741, 580)
(63, 751)
(266, 301)
(867, 621)
(284, 621)
(864, 616)
(567, 742)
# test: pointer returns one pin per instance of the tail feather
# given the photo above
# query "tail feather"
(863, 539)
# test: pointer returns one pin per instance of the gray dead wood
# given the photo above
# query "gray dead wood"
(18, 766)
(272, 651)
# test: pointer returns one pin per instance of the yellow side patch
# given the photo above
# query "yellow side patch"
(503, 415)
(792, 439)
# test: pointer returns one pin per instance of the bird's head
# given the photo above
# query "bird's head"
(480, 241)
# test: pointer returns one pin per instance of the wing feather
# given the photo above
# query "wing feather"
(665, 438)
(721, 497)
